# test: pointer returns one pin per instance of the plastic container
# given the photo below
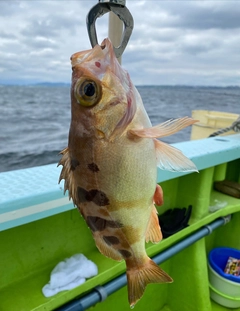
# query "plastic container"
(223, 291)
(218, 258)
(210, 122)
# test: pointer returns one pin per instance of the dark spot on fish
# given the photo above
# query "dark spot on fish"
(111, 240)
(96, 223)
(98, 197)
(82, 194)
(125, 253)
(74, 164)
(93, 167)
(94, 195)
(99, 224)
(98, 64)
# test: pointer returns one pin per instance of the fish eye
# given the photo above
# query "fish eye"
(89, 89)
(87, 92)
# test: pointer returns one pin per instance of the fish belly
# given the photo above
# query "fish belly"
(116, 196)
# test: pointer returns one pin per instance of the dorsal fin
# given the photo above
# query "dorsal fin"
(67, 175)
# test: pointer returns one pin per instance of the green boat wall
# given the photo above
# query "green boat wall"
(39, 227)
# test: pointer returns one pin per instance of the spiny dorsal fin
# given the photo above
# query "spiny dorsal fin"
(67, 175)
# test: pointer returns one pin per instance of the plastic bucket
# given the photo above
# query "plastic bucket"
(223, 291)
(218, 258)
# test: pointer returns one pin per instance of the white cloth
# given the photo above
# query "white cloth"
(69, 274)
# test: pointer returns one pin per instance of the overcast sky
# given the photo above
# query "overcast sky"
(173, 42)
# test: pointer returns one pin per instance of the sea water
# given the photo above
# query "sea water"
(34, 120)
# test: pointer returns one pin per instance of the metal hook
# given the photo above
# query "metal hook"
(117, 7)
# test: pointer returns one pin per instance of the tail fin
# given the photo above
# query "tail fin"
(138, 279)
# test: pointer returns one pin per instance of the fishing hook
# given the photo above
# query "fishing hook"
(118, 8)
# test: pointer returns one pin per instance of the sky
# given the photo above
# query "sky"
(173, 42)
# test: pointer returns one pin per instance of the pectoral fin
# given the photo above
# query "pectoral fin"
(172, 159)
(164, 129)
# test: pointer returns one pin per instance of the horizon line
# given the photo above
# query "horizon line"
(141, 85)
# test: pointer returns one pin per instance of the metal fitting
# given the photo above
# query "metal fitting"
(115, 6)
(118, 2)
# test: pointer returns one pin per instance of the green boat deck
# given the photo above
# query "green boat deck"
(39, 227)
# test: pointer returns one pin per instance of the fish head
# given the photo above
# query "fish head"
(102, 96)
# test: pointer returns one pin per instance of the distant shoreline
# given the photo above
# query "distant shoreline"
(63, 84)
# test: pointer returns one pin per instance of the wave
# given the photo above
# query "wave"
(14, 161)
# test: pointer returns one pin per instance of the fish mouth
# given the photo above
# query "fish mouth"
(103, 51)
(107, 46)
(98, 60)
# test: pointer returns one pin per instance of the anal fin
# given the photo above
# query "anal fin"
(153, 232)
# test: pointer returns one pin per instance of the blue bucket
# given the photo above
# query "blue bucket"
(218, 258)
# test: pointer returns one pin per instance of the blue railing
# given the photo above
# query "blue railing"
(34, 193)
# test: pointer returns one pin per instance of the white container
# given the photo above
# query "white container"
(210, 122)
(223, 291)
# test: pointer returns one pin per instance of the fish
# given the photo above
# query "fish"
(110, 164)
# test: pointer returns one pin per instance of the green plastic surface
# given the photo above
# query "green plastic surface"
(29, 252)
(223, 295)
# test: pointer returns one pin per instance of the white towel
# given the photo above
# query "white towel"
(69, 274)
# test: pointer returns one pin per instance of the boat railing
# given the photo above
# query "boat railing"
(39, 227)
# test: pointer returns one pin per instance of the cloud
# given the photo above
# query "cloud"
(188, 43)
(195, 14)
(9, 8)
(210, 15)
(173, 42)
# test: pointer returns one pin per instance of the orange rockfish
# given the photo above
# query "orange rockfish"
(110, 164)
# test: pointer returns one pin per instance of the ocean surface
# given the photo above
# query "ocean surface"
(34, 120)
